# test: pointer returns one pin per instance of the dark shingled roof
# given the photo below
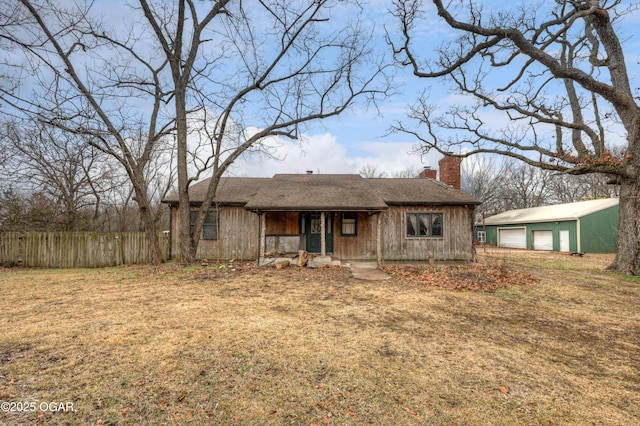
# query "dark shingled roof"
(316, 192)
(231, 190)
(311, 192)
(417, 191)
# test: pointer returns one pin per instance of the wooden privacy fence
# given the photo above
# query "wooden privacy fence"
(76, 249)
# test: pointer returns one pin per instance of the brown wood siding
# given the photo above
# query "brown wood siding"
(361, 246)
(455, 244)
(282, 223)
(238, 236)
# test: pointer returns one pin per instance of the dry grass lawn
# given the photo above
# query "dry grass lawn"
(243, 345)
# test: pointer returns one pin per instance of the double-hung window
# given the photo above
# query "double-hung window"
(349, 224)
(210, 227)
(424, 225)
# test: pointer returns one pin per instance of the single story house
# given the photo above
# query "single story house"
(581, 227)
(340, 215)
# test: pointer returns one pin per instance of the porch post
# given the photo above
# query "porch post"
(323, 242)
(379, 239)
(263, 238)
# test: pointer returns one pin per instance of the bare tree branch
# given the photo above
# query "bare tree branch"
(561, 61)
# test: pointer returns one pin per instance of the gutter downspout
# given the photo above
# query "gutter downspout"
(262, 243)
(378, 239)
(472, 214)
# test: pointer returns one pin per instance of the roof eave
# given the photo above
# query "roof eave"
(433, 203)
(522, 222)
(196, 203)
(315, 209)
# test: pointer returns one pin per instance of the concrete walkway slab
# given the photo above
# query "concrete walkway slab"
(368, 271)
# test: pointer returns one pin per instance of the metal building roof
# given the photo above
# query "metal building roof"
(555, 213)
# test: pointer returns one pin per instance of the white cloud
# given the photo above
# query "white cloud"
(322, 153)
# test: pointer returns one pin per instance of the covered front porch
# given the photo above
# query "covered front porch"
(325, 236)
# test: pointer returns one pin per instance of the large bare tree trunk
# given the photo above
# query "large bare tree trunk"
(155, 252)
(186, 250)
(628, 257)
(591, 71)
(324, 67)
(147, 215)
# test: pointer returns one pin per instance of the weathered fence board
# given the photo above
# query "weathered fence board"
(76, 249)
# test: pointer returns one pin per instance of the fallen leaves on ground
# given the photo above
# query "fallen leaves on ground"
(485, 276)
(327, 273)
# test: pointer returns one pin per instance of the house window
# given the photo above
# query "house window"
(349, 226)
(424, 224)
(210, 226)
(482, 237)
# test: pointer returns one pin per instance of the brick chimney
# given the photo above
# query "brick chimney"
(428, 172)
(450, 171)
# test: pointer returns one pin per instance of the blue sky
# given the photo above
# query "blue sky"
(359, 137)
(343, 144)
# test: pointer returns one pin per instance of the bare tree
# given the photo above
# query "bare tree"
(507, 185)
(98, 82)
(563, 92)
(371, 171)
(14, 211)
(572, 188)
(83, 188)
(58, 165)
(254, 69)
(28, 211)
(525, 186)
(482, 178)
(406, 173)
(276, 65)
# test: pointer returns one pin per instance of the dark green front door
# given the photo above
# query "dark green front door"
(310, 226)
